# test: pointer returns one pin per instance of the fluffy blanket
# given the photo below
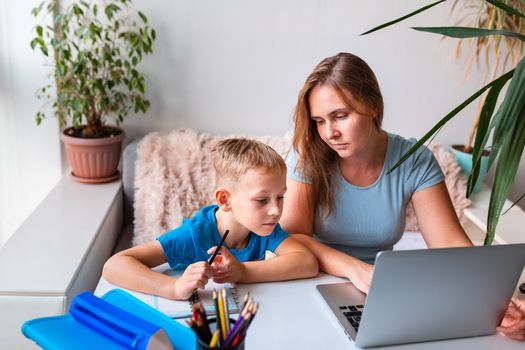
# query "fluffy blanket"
(174, 178)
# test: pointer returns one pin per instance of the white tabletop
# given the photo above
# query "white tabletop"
(292, 315)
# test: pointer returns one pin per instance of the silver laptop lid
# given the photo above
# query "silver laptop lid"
(423, 295)
(435, 294)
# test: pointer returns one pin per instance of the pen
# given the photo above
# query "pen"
(218, 247)
(195, 295)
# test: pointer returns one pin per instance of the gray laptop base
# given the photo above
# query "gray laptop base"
(431, 294)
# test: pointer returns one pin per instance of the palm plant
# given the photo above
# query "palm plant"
(506, 124)
(496, 51)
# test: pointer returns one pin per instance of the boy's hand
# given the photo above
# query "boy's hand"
(226, 268)
(194, 277)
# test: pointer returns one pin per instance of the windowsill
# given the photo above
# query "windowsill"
(57, 253)
(44, 254)
(507, 230)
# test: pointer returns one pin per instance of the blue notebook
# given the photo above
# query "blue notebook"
(116, 321)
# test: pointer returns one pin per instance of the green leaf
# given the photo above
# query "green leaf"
(36, 10)
(77, 10)
(509, 110)
(39, 31)
(44, 50)
(482, 131)
(33, 43)
(509, 137)
(506, 170)
(446, 118)
(506, 8)
(39, 117)
(110, 10)
(466, 32)
(403, 18)
(143, 17)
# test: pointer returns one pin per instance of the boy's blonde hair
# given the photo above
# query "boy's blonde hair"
(234, 157)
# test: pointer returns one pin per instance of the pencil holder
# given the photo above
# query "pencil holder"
(212, 322)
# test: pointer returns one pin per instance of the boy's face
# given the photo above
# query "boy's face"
(256, 200)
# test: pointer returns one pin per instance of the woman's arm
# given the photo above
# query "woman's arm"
(298, 212)
(437, 219)
(297, 219)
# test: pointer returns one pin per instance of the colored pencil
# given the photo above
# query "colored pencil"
(218, 247)
(215, 339)
(221, 318)
(226, 311)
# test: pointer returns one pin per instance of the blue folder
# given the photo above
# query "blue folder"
(94, 323)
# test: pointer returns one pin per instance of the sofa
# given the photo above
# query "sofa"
(172, 177)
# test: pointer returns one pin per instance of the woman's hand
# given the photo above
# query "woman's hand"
(361, 275)
(226, 268)
(194, 277)
(513, 324)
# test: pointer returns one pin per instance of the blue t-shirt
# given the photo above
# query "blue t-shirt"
(367, 220)
(190, 242)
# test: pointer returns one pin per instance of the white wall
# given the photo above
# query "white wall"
(224, 66)
(235, 66)
(29, 155)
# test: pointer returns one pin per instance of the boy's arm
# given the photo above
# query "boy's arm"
(293, 261)
(131, 269)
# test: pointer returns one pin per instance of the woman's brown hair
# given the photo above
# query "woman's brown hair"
(346, 73)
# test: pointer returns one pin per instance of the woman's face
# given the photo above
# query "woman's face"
(345, 130)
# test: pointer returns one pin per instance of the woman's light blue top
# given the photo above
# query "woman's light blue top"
(370, 219)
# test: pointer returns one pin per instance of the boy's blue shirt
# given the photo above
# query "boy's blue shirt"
(190, 242)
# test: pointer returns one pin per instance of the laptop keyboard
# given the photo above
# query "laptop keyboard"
(353, 314)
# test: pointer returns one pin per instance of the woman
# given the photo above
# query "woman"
(341, 201)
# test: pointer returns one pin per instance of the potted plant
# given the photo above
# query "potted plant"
(506, 124)
(486, 51)
(95, 48)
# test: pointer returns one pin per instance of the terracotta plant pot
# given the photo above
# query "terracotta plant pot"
(94, 160)
(465, 162)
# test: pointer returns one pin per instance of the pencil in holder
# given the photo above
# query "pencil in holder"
(204, 345)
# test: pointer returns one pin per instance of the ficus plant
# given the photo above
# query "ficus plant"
(506, 123)
(94, 48)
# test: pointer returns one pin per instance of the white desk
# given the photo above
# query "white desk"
(292, 315)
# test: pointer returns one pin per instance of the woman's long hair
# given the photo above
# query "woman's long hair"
(316, 160)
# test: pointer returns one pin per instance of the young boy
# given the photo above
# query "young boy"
(251, 182)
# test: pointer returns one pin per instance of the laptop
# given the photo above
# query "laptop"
(431, 294)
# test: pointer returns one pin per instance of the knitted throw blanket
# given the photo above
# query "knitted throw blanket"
(174, 178)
